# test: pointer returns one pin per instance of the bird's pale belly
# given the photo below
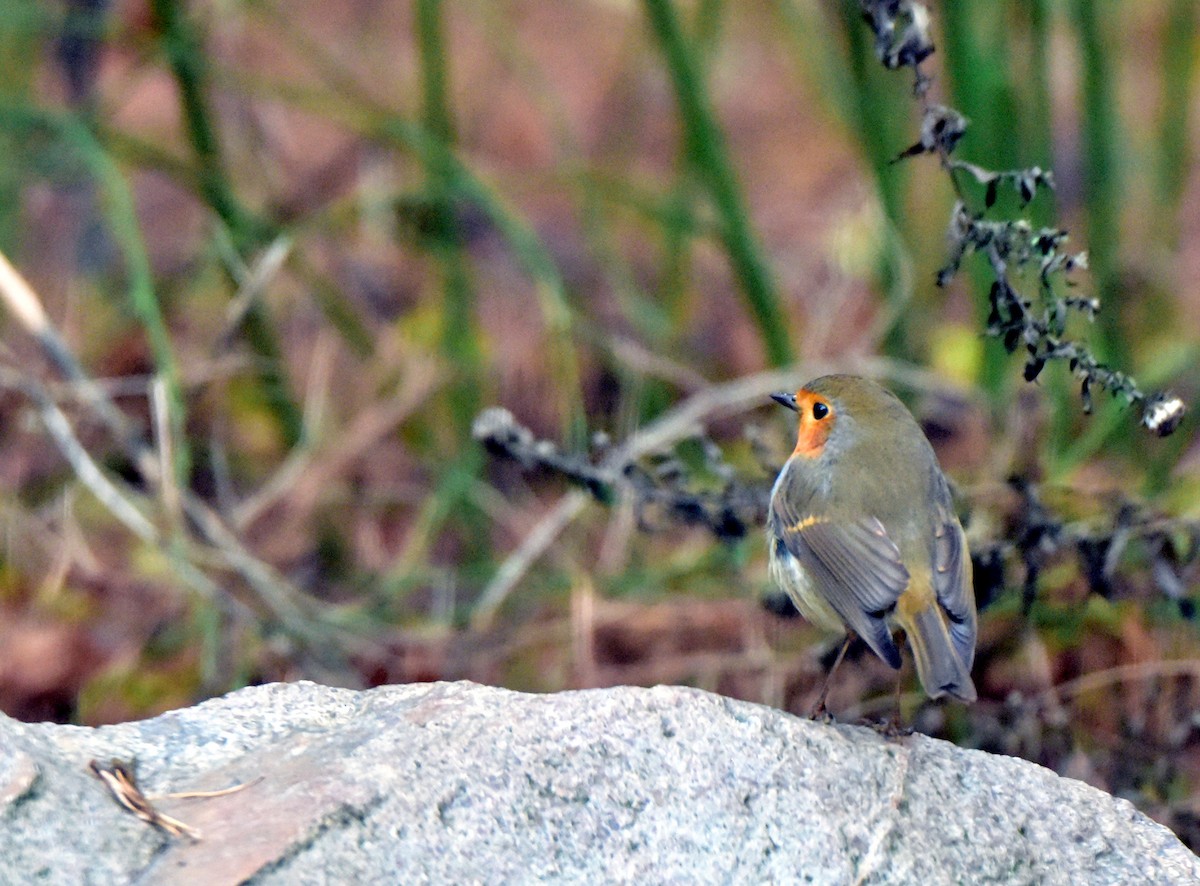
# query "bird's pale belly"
(791, 576)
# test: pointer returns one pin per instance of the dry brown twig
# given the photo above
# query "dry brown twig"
(300, 615)
(252, 283)
(118, 777)
(316, 467)
(245, 513)
(121, 783)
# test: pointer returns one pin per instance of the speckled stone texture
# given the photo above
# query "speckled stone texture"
(458, 783)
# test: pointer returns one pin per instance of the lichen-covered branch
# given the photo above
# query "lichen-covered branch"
(1011, 246)
(666, 492)
(663, 492)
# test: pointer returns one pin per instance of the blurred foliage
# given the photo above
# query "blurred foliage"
(300, 245)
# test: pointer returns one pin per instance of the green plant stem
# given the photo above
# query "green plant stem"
(333, 305)
(1180, 57)
(979, 79)
(678, 232)
(1038, 144)
(117, 204)
(707, 153)
(355, 108)
(1102, 172)
(531, 254)
(459, 333)
(976, 69)
(21, 32)
(1039, 129)
(873, 115)
(185, 55)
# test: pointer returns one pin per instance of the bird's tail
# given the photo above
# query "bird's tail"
(939, 666)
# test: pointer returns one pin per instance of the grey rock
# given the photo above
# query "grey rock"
(458, 783)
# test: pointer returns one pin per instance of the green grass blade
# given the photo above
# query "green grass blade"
(21, 28)
(185, 55)
(353, 107)
(977, 57)
(706, 149)
(460, 337)
(876, 107)
(1180, 56)
(1102, 169)
(118, 206)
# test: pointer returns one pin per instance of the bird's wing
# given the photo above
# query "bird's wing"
(856, 568)
(952, 581)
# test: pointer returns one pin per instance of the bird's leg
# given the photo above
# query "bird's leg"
(819, 711)
(893, 727)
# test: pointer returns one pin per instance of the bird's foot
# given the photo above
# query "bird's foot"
(820, 714)
(892, 727)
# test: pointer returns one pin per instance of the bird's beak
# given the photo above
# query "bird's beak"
(788, 400)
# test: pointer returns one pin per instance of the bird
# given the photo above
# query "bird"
(863, 535)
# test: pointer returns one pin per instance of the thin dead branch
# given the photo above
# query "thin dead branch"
(118, 777)
(300, 616)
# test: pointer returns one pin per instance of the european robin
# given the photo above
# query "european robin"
(863, 534)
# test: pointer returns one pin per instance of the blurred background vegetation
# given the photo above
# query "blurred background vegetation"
(300, 245)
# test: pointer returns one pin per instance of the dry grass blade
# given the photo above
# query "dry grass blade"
(302, 482)
(293, 609)
(208, 795)
(243, 515)
(169, 488)
(252, 282)
(118, 503)
(1097, 680)
(513, 569)
(23, 303)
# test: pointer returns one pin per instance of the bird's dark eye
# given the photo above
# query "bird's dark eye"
(820, 410)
